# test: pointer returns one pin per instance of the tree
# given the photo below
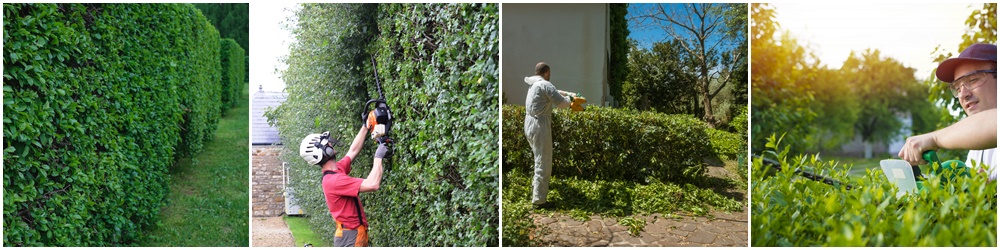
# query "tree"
(736, 30)
(884, 89)
(660, 79)
(702, 31)
(618, 58)
(780, 106)
(231, 19)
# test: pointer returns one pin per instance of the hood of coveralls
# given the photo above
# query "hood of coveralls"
(533, 79)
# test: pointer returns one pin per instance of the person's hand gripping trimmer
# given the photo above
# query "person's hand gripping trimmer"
(577, 100)
(909, 179)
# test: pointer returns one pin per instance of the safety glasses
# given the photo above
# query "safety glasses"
(970, 81)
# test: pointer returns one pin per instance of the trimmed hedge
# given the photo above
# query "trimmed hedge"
(234, 75)
(613, 144)
(439, 64)
(788, 210)
(96, 100)
(439, 67)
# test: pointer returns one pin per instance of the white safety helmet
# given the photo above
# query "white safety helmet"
(315, 148)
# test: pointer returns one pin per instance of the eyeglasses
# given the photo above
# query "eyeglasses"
(970, 81)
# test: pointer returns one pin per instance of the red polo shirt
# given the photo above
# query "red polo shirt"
(341, 191)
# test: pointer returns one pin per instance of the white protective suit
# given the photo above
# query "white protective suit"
(542, 98)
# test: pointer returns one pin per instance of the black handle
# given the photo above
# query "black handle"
(808, 175)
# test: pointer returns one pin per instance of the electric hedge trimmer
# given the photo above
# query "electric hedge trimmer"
(897, 171)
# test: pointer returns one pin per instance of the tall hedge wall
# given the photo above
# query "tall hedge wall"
(234, 75)
(613, 144)
(96, 97)
(438, 64)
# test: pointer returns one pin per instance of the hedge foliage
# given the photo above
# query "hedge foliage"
(438, 65)
(234, 76)
(787, 210)
(98, 100)
(640, 144)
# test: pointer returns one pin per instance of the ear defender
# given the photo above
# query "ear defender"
(324, 144)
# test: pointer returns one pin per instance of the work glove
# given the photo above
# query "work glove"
(381, 151)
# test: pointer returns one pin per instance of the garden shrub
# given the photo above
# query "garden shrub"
(96, 99)
(725, 144)
(640, 145)
(233, 72)
(438, 65)
(790, 211)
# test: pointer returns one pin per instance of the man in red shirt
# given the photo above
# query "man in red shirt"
(340, 188)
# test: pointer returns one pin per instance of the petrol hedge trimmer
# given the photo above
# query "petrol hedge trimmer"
(379, 118)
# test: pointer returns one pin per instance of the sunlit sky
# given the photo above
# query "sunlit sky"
(270, 42)
(907, 32)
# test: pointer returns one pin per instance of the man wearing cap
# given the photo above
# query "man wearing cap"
(341, 190)
(972, 78)
(542, 98)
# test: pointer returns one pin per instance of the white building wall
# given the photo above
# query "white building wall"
(572, 38)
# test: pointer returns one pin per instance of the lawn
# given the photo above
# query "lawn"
(301, 231)
(857, 165)
(208, 203)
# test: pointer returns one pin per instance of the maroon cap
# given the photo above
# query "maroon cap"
(975, 52)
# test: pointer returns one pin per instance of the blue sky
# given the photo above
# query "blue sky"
(647, 36)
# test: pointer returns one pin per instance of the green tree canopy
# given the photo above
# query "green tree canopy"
(231, 19)
(660, 79)
(884, 89)
(710, 37)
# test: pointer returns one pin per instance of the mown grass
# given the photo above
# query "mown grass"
(581, 198)
(301, 231)
(209, 193)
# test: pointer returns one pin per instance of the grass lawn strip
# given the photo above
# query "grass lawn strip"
(209, 193)
(301, 232)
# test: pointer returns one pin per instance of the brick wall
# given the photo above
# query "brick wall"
(267, 188)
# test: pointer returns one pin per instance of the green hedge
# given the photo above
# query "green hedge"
(233, 72)
(96, 97)
(613, 144)
(439, 67)
(787, 210)
(725, 144)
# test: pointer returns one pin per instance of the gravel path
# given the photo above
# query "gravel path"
(271, 232)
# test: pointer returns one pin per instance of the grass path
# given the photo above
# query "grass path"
(301, 231)
(208, 203)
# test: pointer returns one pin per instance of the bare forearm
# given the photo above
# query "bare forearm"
(359, 140)
(978, 131)
(374, 179)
